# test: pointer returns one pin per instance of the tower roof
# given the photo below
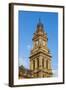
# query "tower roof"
(39, 26)
(40, 31)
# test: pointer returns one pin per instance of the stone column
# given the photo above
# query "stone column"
(44, 62)
(31, 64)
(49, 64)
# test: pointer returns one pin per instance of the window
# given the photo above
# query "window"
(43, 62)
(47, 64)
(37, 62)
(33, 64)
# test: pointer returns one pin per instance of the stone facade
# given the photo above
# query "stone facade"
(40, 58)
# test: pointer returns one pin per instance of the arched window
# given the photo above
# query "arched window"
(33, 64)
(47, 64)
(43, 62)
(37, 62)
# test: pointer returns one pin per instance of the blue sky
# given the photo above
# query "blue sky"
(27, 26)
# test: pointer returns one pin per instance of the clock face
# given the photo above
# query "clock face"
(40, 41)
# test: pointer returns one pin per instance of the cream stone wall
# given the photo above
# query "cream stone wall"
(40, 51)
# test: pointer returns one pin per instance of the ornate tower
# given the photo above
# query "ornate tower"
(40, 58)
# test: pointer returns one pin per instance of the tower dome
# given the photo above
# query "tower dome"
(39, 26)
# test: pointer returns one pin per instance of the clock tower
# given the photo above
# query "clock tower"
(40, 57)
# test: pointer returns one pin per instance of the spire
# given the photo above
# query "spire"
(40, 26)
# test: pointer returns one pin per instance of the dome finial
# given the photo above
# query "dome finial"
(39, 23)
